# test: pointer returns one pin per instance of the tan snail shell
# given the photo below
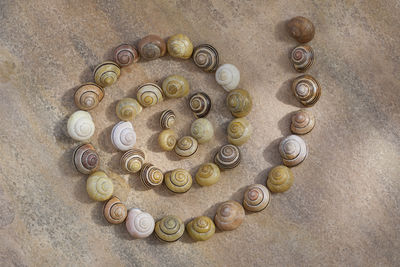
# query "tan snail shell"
(99, 187)
(280, 179)
(175, 86)
(167, 139)
(202, 130)
(125, 55)
(180, 46)
(228, 157)
(306, 89)
(149, 94)
(206, 57)
(200, 104)
(178, 180)
(85, 159)
(170, 228)
(123, 136)
(293, 150)
(229, 216)
(201, 228)
(107, 73)
(88, 96)
(127, 109)
(80, 126)
(228, 76)
(152, 47)
(133, 160)
(256, 197)
(167, 119)
(239, 103)
(139, 224)
(186, 146)
(115, 211)
(208, 174)
(302, 57)
(303, 122)
(151, 176)
(239, 131)
(301, 29)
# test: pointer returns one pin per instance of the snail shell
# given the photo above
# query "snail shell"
(152, 47)
(123, 136)
(186, 146)
(208, 174)
(202, 130)
(306, 89)
(167, 119)
(200, 104)
(206, 57)
(178, 180)
(107, 73)
(256, 197)
(132, 160)
(125, 55)
(180, 46)
(301, 29)
(280, 179)
(239, 103)
(115, 211)
(239, 131)
(127, 108)
(303, 122)
(88, 96)
(139, 224)
(201, 228)
(80, 125)
(167, 139)
(85, 159)
(229, 216)
(228, 76)
(293, 150)
(151, 176)
(170, 228)
(228, 157)
(175, 86)
(99, 186)
(149, 94)
(302, 57)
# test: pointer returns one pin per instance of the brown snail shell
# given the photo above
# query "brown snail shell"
(115, 211)
(125, 55)
(280, 179)
(239, 102)
(302, 57)
(107, 73)
(301, 29)
(306, 89)
(293, 150)
(256, 197)
(88, 96)
(132, 160)
(85, 159)
(228, 157)
(151, 176)
(186, 146)
(205, 57)
(200, 104)
(229, 216)
(167, 119)
(303, 122)
(152, 47)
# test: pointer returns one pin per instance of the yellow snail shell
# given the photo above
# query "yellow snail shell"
(256, 197)
(170, 228)
(167, 139)
(125, 55)
(139, 224)
(293, 150)
(239, 131)
(127, 109)
(115, 211)
(306, 89)
(88, 96)
(280, 179)
(99, 186)
(178, 180)
(123, 136)
(80, 126)
(228, 76)
(107, 73)
(228, 157)
(302, 57)
(303, 122)
(201, 228)
(151, 176)
(229, 216)
(200, 104)
(208, 174)
(205, 57)
(180, 46)
(186, 146)
(202, 130)
(149, 94)
(167, 119)
(85, 159)
(175, 86)
(239, 102)
(133, 160)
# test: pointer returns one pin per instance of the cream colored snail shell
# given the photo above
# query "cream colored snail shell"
(186, 146)
(239, 103)
(301, 29)
(239, 131)
(125, 55)
(175, 86)
(107, 73)
(303, 122)
(229, 216)
(167, 139)
(123, 136)
(127, 109)
(151, 176)
(280, 179)
(306, 89)
(256, 197)
(99, 187)
(115, 211)
(201, 228)
(228, 157)
(202, 130)
(200, 104)
(167, 119)
(208, 174)
(149, 94)
(293, 150)
(180, 46)
(133, 160)
(206, 57)
(139, 224)
(228, 76)
(302, 57)
(80, 126)
(170, 228)
(85, 159)
(178, 180)
(152, 47)
(88, 96)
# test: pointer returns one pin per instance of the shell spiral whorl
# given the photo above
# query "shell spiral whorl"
(239, 131)
(175, 86)
(151, 176)
(88, 96)
(178, 180)
(123, 136)
(167, 119)
(139, 224)
(201, 228)
(133, 160)
(280, 179)
(80, 126)
(115, 211)
(239, 103)
(303, 122)
(152, 47)
(125, 55)
(256, 197)
(228, 157)
(202, 130)
(293, 150)
(200, 104)
(206, 57)
(167, 139)
(302, 57)
(149, 94)
(228, 76)
(170, 228)
(99, 187)
(107, 73)
(127, 108)
(186, 146)
(85, 159)
(306, 89)
(229, 215)
(208, 174)
(180, 46)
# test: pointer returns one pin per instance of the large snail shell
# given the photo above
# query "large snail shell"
(180, 46)
(169, 229)
(85, 159)
(228, 76)
(127, 109)
(200, 104)
(152, 47)
(303, 122)
(175, 86)
(167, 139)
(106, 73)
(228, 157)
(178, 180)
(229, 216)
(201, 228)
(256, 197)
(280, 179)
(293, 150)
(202, 130)
(167, 119)
(133, 160)
(186, 146)
(206, 57)
(125, 55)
(139, 224)
(99, 186)
(123, 136)
(302, 57)
(239, 102)
(306, 89)
(301, 29)
(208, 174)
(149, 94)
(239, 131)
(88, 96)
(80, 126)
(151, 176)
(115, 211)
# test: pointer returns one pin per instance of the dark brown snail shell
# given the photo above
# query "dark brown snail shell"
(200, 104)
(125, 55)
(85, 159)
(228, 157)
(115, 211)
(302, 57)
(306, 89)
(152, 47)
(205, 57)
(301, 29)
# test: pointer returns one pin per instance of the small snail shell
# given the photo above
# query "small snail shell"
(301, 29)
(228, 76)
(201, 228)
(202, 130)
(127, 109)
(303, 122)
(149, 94)
(123, 136)
(293, 150)
(115, 211)
(169, 229)
(229, 216)
(180, 46)
(99, 186)
(167, 139)
(132, 160)
(151, 176)
(167, 119)
(228, 157)
(239, 131)
(139, 224)
(178, 180)
(85, 159)
(88, 96)
(206, 57)
(175, 86)
(200, 104)
(280, 179)
(125, 55)
(256, 197)
(306, 89)
(80, 126)
(152, 47)
(239, 102)
(186, 146)
(302, 57)
(107, 73)
(208, 174)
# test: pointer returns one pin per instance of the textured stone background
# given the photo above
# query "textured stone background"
(344, 206)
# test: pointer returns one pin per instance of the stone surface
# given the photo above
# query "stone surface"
(343, 208)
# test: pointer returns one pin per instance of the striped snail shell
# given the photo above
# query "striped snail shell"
(306, 89)
(125, 55)
(200, 104)
(202, 130)
(303, 122)
(293, 150)
(302, 57)
(228, 157)
(228, 76)
(186, 146)
(229, 216)
(99, 186)
(139, 224)
(151, 176)
(88, 96)
(239, 103)
(123, 136)
(208, 174)
(206, 57)
(239, 131)
(170, 228)
(167, 119)
(127, 109)
(149, 94)
(167, 139)
(280, 179)
(132, 160)
(301, 29)
(152, 47)
(256, 197)
(80, 126)
(107, 73)
(175, 86)
(180, 46)
(201, 228)
(85, 159)
(115, 211)
(178, 180)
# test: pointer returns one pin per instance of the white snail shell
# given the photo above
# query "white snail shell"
(256, 197)
(149, 94)
(139, 224)
(123, 136)
(80, 126)
(228, 76)
(293, 150)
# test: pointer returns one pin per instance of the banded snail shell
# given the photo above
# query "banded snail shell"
(151, 176)
(178, 180)
(228, 157)
(293, 150)
(256, 197)
(152, 47)
(107, 73)
(306, 89)
(139, 224)
(186, 146)
(301, 29)
(239, 131)
(127, 109)
(99, 187)
(239, 103)
(201, 228)
(200, 104)
(228, 76)
(280, 179)
(123, 136)
(202, 130)
(180, 46)
(175, 86)
(167, 119)
(208, 174)
(88, 96)
(125, 55)
(229, 216)
(80, 126)
(149, 94)
(170, 228)
(85, 159)
(206, 57)
(302, 57)
(115, 211)
(133, 160)
(303, 122)
(167, 139)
